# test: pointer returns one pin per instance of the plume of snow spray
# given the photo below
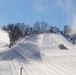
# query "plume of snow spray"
(74, 25)
(69, 7)
(4, 38)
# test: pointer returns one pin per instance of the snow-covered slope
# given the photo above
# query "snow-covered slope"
(39, 55)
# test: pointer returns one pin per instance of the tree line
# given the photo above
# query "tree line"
(21, 29)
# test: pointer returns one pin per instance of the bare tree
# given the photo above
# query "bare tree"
(67, 29)
(40, 27)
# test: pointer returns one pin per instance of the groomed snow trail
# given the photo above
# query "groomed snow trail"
(39, 55)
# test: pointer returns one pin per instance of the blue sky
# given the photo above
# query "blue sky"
(54, 12)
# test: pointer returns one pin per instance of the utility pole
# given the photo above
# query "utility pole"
(21, 70)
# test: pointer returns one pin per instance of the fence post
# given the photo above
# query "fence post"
(21, 71)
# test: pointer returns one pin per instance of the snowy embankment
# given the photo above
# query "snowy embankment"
(39, 55)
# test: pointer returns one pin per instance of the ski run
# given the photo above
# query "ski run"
(39, 55)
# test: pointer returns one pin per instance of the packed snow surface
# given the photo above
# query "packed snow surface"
(39, 55)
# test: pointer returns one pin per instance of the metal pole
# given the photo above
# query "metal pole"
(21, 71)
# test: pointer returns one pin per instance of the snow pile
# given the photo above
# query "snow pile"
(4, 38)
